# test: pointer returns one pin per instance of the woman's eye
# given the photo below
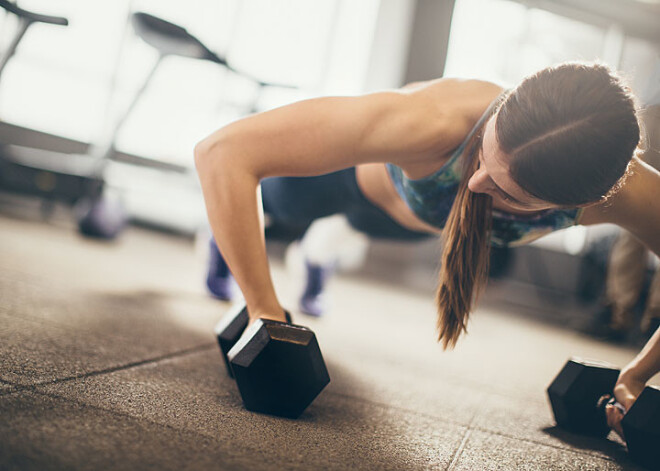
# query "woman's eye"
(509, 199)
(504, 195)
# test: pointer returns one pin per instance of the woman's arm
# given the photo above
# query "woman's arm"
(633, 379)
(646, 364)
(311, 137)
(636, 207)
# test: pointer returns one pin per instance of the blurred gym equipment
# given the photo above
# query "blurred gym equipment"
(78, 179)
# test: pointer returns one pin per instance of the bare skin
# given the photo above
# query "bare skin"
(416, 128)
(633, 379)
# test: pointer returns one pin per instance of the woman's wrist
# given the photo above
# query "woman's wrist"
(629, 385)
(633, 373)
(272, 310)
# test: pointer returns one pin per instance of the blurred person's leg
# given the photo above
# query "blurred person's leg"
(329, 244)
(290, 203)
(651, 316)
(219, 280)
(298, 203)
(338, 231)
(625, 280)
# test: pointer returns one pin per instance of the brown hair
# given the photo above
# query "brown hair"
(570, 133)
(465, 253)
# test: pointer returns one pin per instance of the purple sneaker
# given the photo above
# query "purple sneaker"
(312, 300)
(219, 279)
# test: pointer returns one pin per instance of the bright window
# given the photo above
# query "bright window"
(76, 81)
(503, 41)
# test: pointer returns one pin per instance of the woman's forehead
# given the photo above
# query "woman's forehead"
(491, 149)
(497, 163)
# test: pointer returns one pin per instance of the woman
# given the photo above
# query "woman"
(464, 158)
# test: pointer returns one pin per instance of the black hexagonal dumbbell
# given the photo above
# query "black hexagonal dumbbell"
(575, 392)
(278, 366)
(641, 428)
(575, 396)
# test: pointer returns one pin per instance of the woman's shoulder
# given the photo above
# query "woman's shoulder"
(456, 97)
(635, 207)
(449, 109)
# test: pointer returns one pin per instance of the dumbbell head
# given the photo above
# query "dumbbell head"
(574, 395)
(229, 330)
(278, 368)
(231, 327)
(641, 427)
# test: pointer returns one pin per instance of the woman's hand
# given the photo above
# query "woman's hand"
(627, 389)
(278, 315)
(632, 380)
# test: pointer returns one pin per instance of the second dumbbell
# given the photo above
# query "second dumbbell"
(576, 398)
(278, 366)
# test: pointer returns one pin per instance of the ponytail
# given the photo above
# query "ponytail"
(465, 254)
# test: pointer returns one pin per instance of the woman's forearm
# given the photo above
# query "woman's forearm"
(234, 212)
(647, 363)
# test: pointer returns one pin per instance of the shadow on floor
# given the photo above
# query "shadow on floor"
(613, 449)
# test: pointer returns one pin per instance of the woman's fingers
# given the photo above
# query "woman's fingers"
(614, 417)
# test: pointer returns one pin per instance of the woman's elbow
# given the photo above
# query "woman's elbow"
(207, 151)
(221, 157)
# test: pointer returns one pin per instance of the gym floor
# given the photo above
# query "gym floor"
(108, 361)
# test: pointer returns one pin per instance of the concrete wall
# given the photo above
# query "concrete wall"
(410, 42)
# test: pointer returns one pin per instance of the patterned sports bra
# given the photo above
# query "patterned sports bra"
(431, 199)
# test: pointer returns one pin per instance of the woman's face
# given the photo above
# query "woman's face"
(492, 177)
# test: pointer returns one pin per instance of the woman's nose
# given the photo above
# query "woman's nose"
(479, 181)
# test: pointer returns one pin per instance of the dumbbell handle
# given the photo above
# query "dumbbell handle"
(618, 405)
(602, 403)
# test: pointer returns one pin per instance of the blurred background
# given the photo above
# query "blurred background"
(124, 98)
